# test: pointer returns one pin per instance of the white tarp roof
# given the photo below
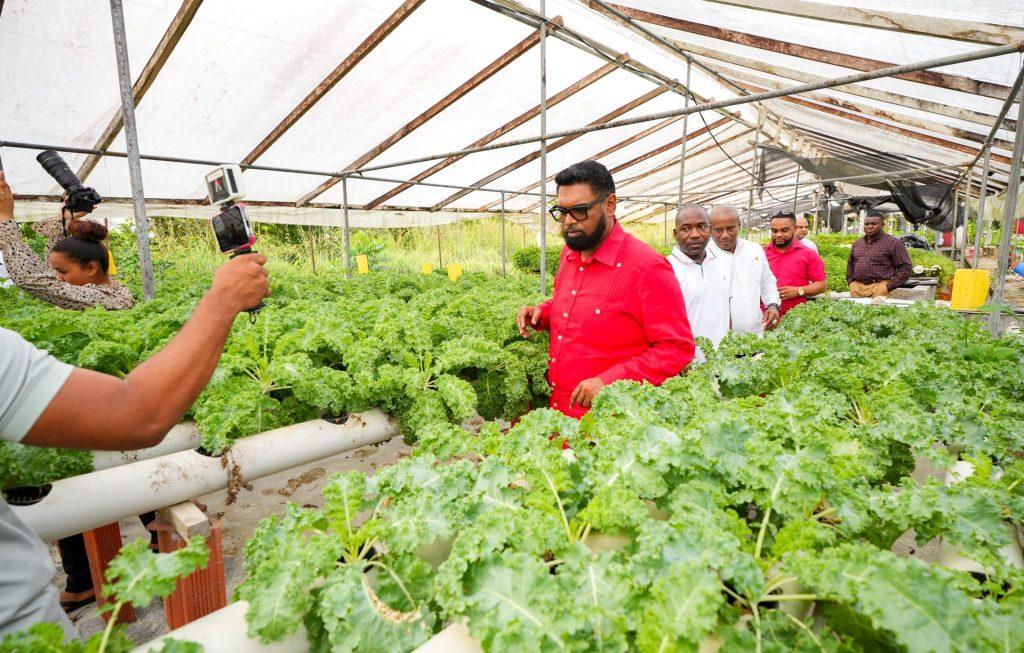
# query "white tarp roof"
(224, 74)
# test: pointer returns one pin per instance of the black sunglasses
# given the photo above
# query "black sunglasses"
(579, 213)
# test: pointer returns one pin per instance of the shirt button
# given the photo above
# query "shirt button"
(559, 337)
(597, 311)
(555, 404)
(581, 268)
(552, 360)
(572, 292)
(565, 315)
(618, 265)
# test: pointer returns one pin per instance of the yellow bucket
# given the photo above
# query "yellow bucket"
(362, 264)
(427, 268)
(970, 289)
(454, 271)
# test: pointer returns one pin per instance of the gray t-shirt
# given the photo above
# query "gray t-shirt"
(29, 380)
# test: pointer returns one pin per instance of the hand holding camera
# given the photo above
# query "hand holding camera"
(231, 226)
(6, 200)
(242, 283)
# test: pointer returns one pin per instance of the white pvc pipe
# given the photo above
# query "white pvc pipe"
(82, 502)
(183, 436)
(952, 556)
(224, 631)
(453, 639)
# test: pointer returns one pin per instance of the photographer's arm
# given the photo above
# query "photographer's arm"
(96, 411)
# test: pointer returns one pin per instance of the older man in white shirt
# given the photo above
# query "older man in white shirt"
(752, 283)
(702, 273)
(802, 229)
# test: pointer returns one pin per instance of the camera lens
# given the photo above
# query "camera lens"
(58, 168)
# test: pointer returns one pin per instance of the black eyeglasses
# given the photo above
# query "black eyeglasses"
(579, 213)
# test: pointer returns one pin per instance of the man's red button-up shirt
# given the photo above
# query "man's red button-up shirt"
(796, 266)
(618, 315)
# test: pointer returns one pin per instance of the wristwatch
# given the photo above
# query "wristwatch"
(800, 291)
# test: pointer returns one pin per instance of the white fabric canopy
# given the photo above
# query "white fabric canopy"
(240, 68)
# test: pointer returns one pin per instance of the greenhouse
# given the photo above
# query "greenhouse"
(494, 325)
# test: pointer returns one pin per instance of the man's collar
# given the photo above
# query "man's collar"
(608, 251)
(872, 239)
(709, 255)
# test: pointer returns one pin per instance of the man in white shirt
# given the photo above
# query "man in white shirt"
(752, 283)
(802, 229)
(703, 274)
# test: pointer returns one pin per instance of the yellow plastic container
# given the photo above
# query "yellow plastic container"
(454, 271)
(970, 289)
(427, 268)
(362, 264)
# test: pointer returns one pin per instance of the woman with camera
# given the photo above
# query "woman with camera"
(78, 276)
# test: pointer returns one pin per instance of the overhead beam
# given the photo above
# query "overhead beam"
(520, 13)
(596, 157)
(375, 38)
(533, 156)
(658, 150)
(859, 90)
(661, 42)
(485, 73)
(946, 81)
(175, 30)
(893, 129)
(675, 162)
(895, 21)
(667, 146)
(902, 118)
(518, 121)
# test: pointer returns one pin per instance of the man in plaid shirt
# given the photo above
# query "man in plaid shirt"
(878, 262)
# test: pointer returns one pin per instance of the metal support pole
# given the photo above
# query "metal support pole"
(956, 223)
(682, 147)
(982, 196)
(753, 165)
(124, 78)
(1009, 217)
(796, 188)
(504, 258)
(817, 213)
(344, 228)
(967, 215)
(543, 150)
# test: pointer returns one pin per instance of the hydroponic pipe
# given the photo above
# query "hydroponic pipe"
(183, 436)
(82, 502)
(224, 631)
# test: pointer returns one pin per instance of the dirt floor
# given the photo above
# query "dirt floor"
(268, 496)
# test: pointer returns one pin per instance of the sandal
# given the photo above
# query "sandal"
(71, 601)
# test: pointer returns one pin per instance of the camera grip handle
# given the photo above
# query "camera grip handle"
(255, 309)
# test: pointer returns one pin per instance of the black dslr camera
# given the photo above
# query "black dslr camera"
(231, 226)
(80, 199)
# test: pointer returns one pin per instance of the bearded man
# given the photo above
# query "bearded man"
(617, 311)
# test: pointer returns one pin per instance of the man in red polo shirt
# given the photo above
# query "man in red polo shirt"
(798, 270)
(617, 311)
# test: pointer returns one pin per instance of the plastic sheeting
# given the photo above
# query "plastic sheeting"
(240, 68)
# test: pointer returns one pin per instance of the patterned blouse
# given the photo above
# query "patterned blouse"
(37, 279)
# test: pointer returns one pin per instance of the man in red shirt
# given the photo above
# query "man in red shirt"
(798, 270)
(617, 311)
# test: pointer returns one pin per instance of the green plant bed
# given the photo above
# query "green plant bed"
(782, 463)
